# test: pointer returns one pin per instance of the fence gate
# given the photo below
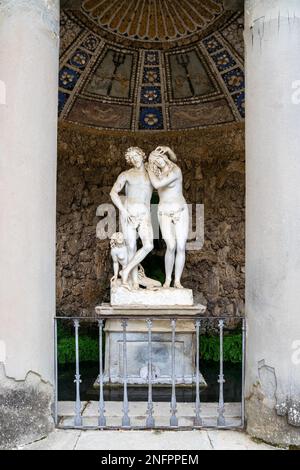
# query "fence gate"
(148, 404)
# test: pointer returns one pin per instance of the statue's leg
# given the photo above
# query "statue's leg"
(168, 233)
(181, 230)
(129, 233)
(134, 278)
(145, 232)
(133, 275)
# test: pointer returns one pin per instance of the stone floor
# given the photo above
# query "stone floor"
(204, 439)
(137, 413)
(147, 440)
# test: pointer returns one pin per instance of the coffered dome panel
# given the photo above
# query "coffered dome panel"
(164, 23)
(151, 65)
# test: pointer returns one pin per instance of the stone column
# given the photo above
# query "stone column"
(272, 36)
(29, 39)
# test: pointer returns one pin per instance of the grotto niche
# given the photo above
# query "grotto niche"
(144, 86)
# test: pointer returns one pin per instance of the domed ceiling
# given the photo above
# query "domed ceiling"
(151, 64)
(162, 23)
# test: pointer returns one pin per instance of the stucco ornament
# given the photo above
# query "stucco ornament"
(48, 10)
(165, 175)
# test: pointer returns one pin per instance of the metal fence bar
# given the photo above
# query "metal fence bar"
(125, 419)
(77, 418)
(101, 419)
(198, 420)
(243, 372)
(55, 374)
(221, 408)
(133, 316)
(173, 418)
(150, 422)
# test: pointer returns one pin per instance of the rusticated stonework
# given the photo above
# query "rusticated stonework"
(212, 161)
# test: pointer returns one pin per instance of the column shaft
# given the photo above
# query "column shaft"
(272, 36)
(28, 147)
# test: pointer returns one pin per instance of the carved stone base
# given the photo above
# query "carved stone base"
(137, 342)
(137, 353)
(145, 297)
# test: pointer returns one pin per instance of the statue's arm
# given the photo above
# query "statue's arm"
(165, 180)
(168, 150)
(116, 189)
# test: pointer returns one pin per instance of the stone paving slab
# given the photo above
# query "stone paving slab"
(66, 408)
(57, 440)
(147, 440)
(144, 440)
(234, 440)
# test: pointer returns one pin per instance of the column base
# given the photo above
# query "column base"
(25, 409)
(263, 421)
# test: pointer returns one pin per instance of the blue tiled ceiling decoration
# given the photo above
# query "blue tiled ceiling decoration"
(148, 72)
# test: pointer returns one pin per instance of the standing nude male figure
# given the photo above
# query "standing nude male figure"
(135, 216)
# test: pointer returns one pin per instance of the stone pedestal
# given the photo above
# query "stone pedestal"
(137, 344)
(156, 298)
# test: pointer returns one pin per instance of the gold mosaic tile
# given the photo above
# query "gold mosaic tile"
(152, 65)
(133, 25)
(142, 31)
(153, 20)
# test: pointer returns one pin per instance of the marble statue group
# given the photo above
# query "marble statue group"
(132, 293)
(159, 172)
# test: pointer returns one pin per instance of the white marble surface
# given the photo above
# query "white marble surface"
(144, 297)
(158, 326)
(137, 353)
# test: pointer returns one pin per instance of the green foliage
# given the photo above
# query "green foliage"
(232, 348)
(88, 349)
(62, 331)
(88, 345)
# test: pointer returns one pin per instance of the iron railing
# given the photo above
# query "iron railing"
(199, 421)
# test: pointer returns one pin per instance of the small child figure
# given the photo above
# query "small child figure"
(119, 254)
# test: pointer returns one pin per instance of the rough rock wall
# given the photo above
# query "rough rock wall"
(212, 161)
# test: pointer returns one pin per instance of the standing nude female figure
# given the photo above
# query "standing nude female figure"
(173, 213)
